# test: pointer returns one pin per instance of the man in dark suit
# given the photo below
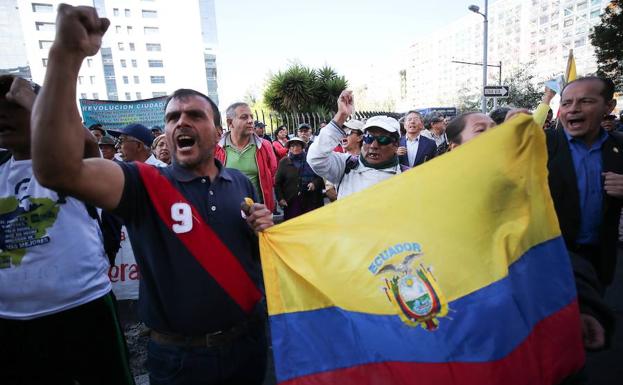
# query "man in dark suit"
(415, 149)
(586, 181)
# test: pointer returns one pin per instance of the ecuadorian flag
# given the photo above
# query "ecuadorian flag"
(452, 273)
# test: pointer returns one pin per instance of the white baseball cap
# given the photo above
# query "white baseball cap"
(354, 124)
(383, 122)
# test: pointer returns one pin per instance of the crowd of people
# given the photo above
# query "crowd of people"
(193, 198)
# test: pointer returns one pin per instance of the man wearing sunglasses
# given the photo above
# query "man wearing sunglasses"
(377, 161)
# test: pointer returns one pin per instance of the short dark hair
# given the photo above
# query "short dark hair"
(279, 129)
(499, 114)
(607, 92)
(184, 93)
(456, 127)
(413, 112)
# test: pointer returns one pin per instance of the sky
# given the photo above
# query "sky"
(257, 37)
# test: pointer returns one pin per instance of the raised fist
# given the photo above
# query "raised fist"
(79, 30)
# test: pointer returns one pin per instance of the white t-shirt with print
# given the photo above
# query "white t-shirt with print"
(51, 251)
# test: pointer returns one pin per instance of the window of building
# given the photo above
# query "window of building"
(89, 62)
(555, 27)
(130, 29)
(123, 63)
(157, 79)
(44, 61)
(595, 2)
(127, 13)
(138, 95)
(150, 30)
(580, 42)
(40, 7)
(83, 96)
(45, 44)
(158, 94)
(128, 96)
(155, 63)
(131, 46)
(115, 11)
(96, 95)
(568, 22)
(153, 47)
(568, 11)
(43, 26)
(118, 28)
(136, 80)
(134, 63)
(121, 46)
(80, 79)
(125, 80)
(149, 14)
(92, 79)
(595, 14)
(581, 6)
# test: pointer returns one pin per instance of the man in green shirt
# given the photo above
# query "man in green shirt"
(242, 149)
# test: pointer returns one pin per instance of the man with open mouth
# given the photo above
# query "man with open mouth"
(378, 159)
(200, 290)
(585, 179)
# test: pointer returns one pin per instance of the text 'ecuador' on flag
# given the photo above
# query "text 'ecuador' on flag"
(451, 273)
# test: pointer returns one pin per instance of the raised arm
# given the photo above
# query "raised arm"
(55, 116)
(320, 156)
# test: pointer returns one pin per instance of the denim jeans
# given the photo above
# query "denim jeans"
(242, 361)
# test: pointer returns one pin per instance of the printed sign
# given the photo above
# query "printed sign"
(124, 273)
(115, 115)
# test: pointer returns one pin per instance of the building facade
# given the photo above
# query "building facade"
(152, 47)
(521, 33)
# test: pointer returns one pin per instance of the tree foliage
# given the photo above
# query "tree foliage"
(524, 92)
(302, 89)
(607, 37)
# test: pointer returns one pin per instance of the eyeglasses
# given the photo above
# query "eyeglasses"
(382, 140)
(125, 140)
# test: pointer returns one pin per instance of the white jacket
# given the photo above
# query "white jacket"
(332, 165)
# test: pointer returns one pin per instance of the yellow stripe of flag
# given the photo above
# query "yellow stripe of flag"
(472, 212)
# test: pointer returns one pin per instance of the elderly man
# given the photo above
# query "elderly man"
(242, 149)
(377, 161)
(200, 291)
(57, 317)
(436, 131)
(160, 149)
(415, 149)
(135, 144)
(305, 132)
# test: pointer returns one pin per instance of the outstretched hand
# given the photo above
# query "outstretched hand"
(79, 30)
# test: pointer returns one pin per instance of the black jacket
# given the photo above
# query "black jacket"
(565, 194)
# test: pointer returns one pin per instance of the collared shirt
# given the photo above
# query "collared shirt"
(155, 162)
(244, 160)
(177, 295)
(439, 139)
(412, 147)
(588, 165)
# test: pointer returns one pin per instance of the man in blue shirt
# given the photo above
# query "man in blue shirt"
(586, 181)
(200, 288)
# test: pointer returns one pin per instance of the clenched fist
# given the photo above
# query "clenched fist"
(79, 31)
